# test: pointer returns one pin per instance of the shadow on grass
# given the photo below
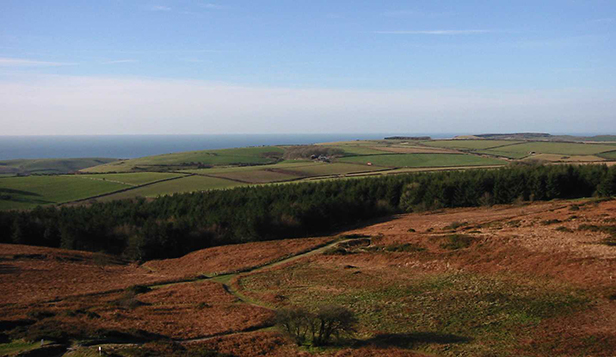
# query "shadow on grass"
(8, 269)
(10, 191)
(411, 340)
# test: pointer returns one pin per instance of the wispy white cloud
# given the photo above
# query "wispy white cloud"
(435, 32)
(212, 6)
(21, 62)
(413, 13)
(121, 61)
(160, 8)
(93, 105)
(333, 16)
(602, 21)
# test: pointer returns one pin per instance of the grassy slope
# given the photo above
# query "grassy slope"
(424, 160)
(136, 178)
(259, 176)
(500, 152)
(475, 315)
(564, 158)
(468, 144)
(288, 164)
(358, 150)
(181, 185)
(250, 155)
(50, 166)
(610, 155)
(28, 192)
(558, 148)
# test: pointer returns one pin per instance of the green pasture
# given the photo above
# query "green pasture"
(335, 168)
(358, 150)
(450, 314)
(558, 148)
(498, 152)
(287, 164)
(468, 144)
(424, 160)
(134, 179)
(50, 166)
(610, 155)
(250, 155)
(260, 175)
(31, 191)
(181, 185)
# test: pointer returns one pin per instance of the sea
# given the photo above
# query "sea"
(132, 146)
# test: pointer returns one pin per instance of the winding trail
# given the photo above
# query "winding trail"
(224, 279)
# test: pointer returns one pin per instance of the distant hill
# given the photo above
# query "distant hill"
(50, 166)
(257, 155)
(542, 137)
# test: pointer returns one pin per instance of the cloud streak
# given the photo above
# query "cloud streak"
(413, 13)
(160, 8)
(212, 6)
(94, 105)
(435, 32)
(121, 61)
(21, 62)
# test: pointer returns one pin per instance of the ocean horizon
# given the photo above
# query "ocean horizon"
(132, 146)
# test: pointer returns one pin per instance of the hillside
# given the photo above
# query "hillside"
(529, 279)
(50, 166)
(205, 170)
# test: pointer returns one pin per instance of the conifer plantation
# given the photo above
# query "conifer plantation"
(172, 226)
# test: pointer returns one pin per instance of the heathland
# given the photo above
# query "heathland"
(528, 279)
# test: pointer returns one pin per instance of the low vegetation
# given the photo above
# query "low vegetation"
(50, 166)
(175, 225)
(32, 191)
(310, 151)
(424, 160)
(317, 328)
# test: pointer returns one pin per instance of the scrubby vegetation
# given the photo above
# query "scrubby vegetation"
(307, 151)
(175, 225)
(317, 328)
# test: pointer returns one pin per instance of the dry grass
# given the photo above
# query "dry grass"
(511, 286)
(232, 257)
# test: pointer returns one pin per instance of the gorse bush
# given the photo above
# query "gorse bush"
(172, 226)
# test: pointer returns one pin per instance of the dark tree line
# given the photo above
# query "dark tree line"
(171, 226)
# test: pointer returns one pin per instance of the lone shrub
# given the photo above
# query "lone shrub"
(457, 241)
(295, 322)
(328, 322)
(332, 321)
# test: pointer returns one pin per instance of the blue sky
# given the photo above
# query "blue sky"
(119, 66)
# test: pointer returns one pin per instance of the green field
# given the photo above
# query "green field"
(28, 192)
(610, 155)
(468, 144)
(288, 164)
(133, 179)
(50, 166)
(558, 148)
(498, 152)
(260, 175)
(285, 172)
(358, 150)
(336, 168)
(250, 155)
(181, 185)
(424, 160)
(466, 314)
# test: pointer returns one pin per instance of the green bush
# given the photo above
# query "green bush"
(457, 241)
